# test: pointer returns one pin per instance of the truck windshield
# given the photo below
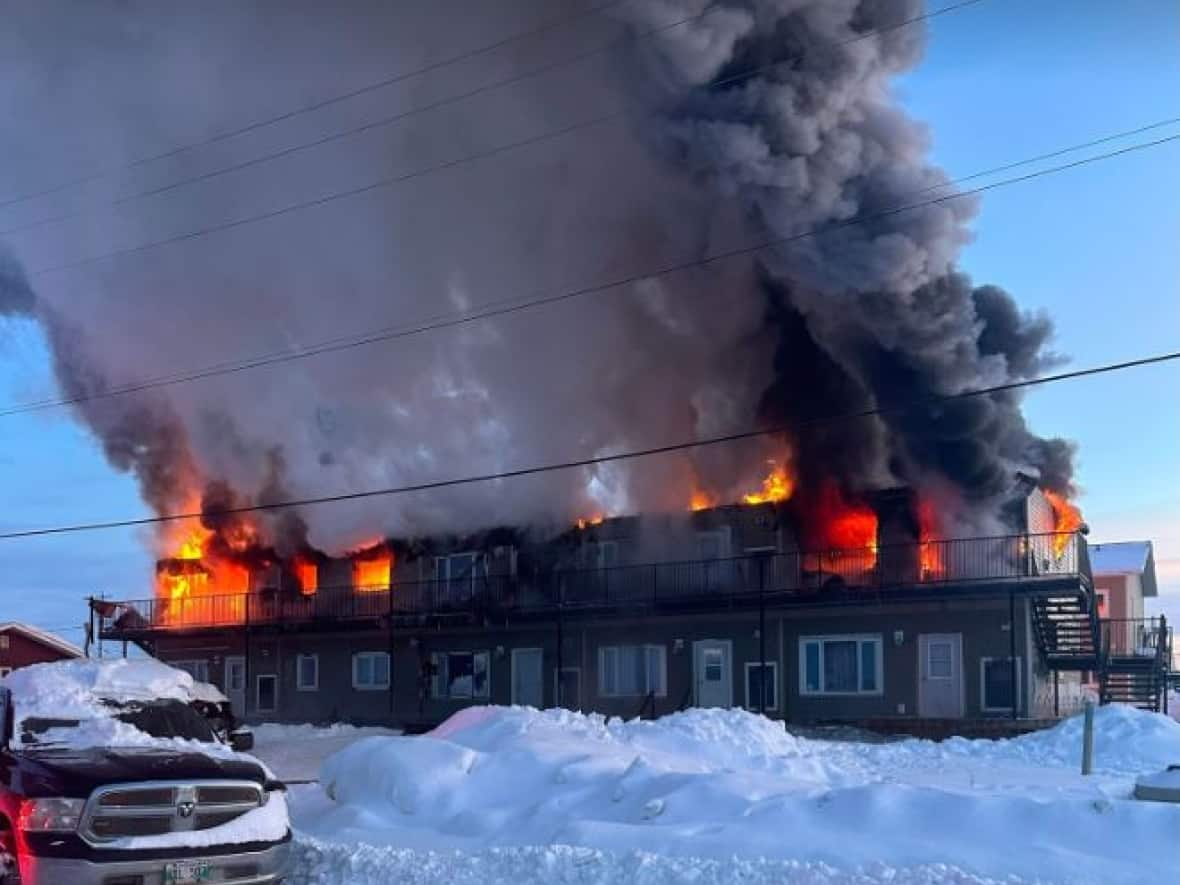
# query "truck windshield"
(160, 719)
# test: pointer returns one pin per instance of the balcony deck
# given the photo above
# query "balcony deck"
(1048, 563)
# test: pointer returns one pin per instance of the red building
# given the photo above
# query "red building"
(21, 645)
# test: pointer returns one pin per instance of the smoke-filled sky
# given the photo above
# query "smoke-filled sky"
(1095, 248)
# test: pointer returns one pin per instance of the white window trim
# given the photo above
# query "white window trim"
(258, 708)
(663, 658)
(842, 637)
(376, 686)
(226, 669)
(463, 697)
(930, 643)
(983, 662)
(751, 703)
(724, 537)
(516, 653)
(315, 685)
(184, 663)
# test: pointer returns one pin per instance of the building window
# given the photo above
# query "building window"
(4, 671)
(267, 698)
(460, 674)
(758, 681)
(601, 554)
(713, 544)
(632, 671)
(995, 684)
(1103, 604)
(235, 675)
(197, 669)
(3, 640)
(569, 687)
(370, 670)
(307, 672)
(840, 665)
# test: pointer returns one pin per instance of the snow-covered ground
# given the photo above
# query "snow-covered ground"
(521, 796)
(294, 752)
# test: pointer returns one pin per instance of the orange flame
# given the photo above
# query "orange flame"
(307, 573)
(192, 577)
(701, 501)
(777, 486)
(1067, 519)
(372, 569)
(929, 552)
(596, 519)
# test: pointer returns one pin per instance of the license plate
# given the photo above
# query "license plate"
(187, 872)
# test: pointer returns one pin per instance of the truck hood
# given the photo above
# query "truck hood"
(76, 773)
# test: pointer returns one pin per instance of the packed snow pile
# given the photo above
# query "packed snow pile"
(712, 784)
(294, 752)
(324, 863)
(76, 689)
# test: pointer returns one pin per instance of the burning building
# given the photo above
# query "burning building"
(756, 148)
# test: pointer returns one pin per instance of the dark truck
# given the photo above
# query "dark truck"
(72, 814)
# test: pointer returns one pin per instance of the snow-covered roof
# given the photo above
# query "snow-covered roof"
(42, 637)
(1125, 558)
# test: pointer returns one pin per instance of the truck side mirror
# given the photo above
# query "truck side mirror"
(7, 718)
(241, 740)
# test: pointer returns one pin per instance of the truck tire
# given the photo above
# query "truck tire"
(9, 871)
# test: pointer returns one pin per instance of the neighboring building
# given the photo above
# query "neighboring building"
(21, 645)
(646, 615)
(1124, 575)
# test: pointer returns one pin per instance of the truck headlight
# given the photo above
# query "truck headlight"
(50, 815)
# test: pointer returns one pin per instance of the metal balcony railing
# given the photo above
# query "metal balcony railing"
(1137, 638)
(705, 582)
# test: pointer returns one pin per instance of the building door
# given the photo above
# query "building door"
(712, 667)
(235, 683)
(940, 675)
(528, 679)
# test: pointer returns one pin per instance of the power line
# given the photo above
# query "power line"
(508, 306)
(377, 124)
(314, 106)
(1074, 148)
(538, 138)
(598, 459)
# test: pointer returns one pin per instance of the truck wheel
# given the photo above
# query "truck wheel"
(9, 870)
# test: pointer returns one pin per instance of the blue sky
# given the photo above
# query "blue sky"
(1095, 247)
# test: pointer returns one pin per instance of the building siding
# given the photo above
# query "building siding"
(982, 623)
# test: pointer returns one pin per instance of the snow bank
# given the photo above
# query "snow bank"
(321, 863)
(712, 784)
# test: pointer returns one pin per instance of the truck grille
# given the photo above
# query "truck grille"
(153, 809)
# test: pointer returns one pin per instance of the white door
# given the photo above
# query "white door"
(235, 684)
(940, 675)
(528, 680)
(712, 666)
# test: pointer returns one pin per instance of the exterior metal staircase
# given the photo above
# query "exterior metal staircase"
(1131, 657)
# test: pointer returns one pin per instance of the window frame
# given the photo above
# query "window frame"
(372, 655)
(439, 676)
(258, 708)
(5, 641)
(185, 663)
(859, 639)
(983, 662)
(315, 683)
(646, 689)
(750, 702)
